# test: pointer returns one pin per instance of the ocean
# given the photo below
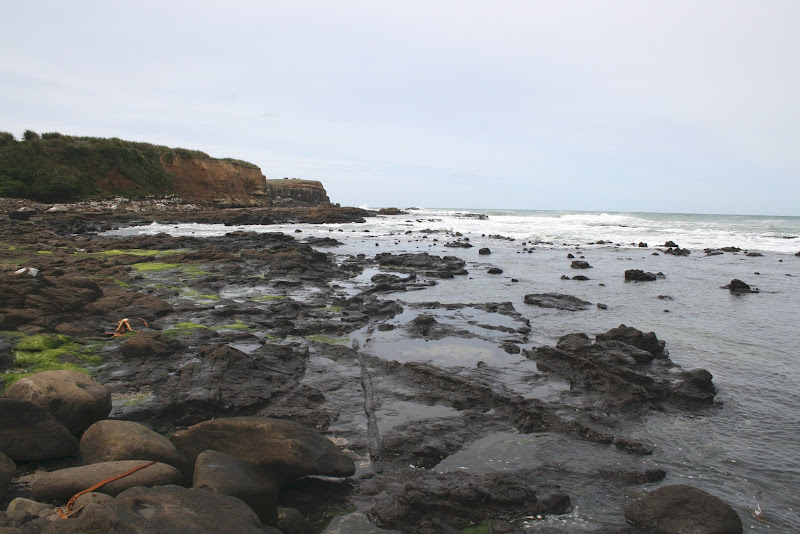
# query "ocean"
(746, 449)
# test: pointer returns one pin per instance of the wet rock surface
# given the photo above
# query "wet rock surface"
(680, 508)
(557, 300)
(279, 327)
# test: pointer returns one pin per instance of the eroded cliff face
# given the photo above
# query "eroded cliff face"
(217, 182)
(297, 192)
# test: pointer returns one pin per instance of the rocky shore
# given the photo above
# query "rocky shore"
(257, 385)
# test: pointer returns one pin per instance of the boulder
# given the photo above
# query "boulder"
(637, 275)
(633, 336)
(64, 483)
(678, 251)
(74, 398)
(738, 287)
(495, 270)
(671, 244)
(7, 470)
(22, 214)
(20, 507)
(223, 473)
(557, 301)
(484, 251)
(32, 433)
(578, 264)
(679, 509)
(149, 344)
(291, 450)
(164, 510)
(108, 441)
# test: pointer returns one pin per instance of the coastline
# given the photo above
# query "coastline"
(268, 294)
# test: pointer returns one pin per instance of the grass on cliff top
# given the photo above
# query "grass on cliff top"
(43, 352)
(52, 167)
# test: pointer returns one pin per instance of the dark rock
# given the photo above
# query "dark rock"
(323, 242)
(448, 502)
(642, 244)
(7, 470)
(581, 277)
(630, 445)
(623, 377)
(164, 510)
(679, 509)
(64, 483)
(458, 244)
(754, 255)
(632, 336)
(222, 473)
(391, 211)
(556, 300)
(565, 277)
(678, 251)
(22, 214)
(32, 433)
(108, 441)
(484, 251)
(215, 381)
(570, 256)
(601, 306)
(291, 521)
(637, 275)
(495, 270)
(75, 399)
(739, 287)
(578, 264)
(149, 344)
(671, 244)
(423, 263)
(291, 450)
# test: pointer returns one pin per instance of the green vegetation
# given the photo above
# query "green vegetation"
(184, 329)
(133, 252)
(238, 325)
(483, 528)
(148, 266)
(133, 401)
(320, 338)
(43, 352)
(52, 167)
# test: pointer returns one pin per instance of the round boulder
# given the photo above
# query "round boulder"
(678, 509)
(64, 483)
(109, 441)
(222, 473)
(74, 398)
(32, 433)
(290, 449)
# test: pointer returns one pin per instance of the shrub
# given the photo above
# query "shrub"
(51, 135)
(30, 135)
(13, 188)
(6, 138)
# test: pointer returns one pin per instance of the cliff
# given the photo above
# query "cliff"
(296, 192)
(52, 167)
(217, 182)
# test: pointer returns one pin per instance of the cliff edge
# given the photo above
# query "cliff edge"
(52, 167)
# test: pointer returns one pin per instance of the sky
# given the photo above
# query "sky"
(660, 106)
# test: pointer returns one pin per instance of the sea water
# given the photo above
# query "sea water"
(748, 444)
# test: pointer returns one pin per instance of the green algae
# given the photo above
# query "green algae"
(43, 252)
(238, 325)
(483, 528)
(184, 329)
(193, 293)
(150, 266)
(134, 252)
(133, 401)
(42, 352)
(262, 298)
(320, 338)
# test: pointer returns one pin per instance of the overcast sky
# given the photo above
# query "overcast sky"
(673, 106)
